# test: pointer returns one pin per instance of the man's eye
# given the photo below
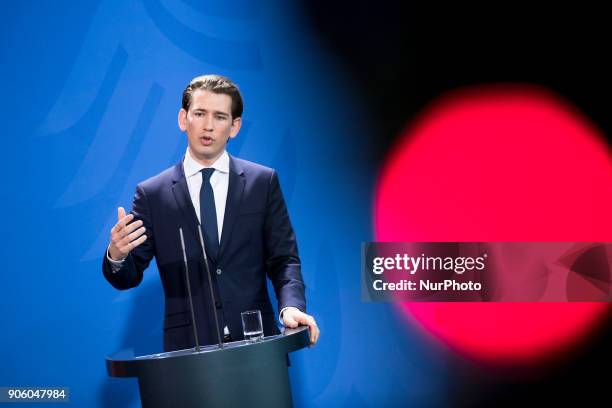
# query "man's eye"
(220, 117)
(198, 114)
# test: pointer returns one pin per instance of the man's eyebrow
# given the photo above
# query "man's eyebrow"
(214, 112)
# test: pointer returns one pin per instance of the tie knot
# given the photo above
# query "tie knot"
(206, 173)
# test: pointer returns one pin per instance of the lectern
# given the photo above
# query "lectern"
(240, 374)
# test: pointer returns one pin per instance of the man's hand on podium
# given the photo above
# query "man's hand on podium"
(293, 317)
(125, 235)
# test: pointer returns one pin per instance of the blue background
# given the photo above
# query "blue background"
(89, 108)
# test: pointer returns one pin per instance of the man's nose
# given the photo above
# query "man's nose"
(208, 123)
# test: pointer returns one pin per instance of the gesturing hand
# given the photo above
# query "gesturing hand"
(125, 235)
(293, 317)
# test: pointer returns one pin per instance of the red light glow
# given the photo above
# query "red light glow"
(499, 163)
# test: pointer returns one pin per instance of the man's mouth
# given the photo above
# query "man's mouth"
(206, 140)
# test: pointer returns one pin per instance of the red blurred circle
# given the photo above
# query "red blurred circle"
(499, 163)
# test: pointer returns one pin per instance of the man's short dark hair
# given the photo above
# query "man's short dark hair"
(217, 84)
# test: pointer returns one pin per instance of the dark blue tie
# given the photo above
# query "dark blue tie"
(208, 214)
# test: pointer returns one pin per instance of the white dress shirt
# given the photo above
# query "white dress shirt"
(219, 182)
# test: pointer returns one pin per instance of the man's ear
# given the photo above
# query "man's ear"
(182, 120)
(236, 124)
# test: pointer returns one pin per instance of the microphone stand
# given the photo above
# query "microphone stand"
(212, 294)
(193, 321)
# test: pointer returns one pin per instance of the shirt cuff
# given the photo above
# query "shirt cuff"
(280, 315)
(115, 265)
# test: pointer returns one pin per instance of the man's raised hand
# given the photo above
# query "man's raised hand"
(125, 235)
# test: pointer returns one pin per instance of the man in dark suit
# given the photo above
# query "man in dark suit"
(241, 211)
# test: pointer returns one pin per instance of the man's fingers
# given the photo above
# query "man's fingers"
(132, 226)
(137, 242)
(125, 220)
(302, 318)
(314, 331)
(126, 235)
(307, 320)
(291, 322)
(120, 213)
(122, 223)
(316, 334)
(132, 237)
(126, 245)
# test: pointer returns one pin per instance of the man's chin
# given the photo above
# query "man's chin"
(205, 154)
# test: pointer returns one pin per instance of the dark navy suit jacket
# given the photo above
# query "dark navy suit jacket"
(257, 240)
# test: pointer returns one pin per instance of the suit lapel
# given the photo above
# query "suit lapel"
(234, 199)
(183, 199)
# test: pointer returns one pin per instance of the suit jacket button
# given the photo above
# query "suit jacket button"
(218, 304)
(219, 271)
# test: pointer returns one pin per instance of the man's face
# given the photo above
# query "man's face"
(208, 124)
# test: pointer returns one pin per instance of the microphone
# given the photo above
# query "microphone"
(212, 294)
(193, 321)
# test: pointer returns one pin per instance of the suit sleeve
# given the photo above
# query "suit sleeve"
(131, 272)
(282, 261)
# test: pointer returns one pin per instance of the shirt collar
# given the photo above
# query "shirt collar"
(192, 167)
